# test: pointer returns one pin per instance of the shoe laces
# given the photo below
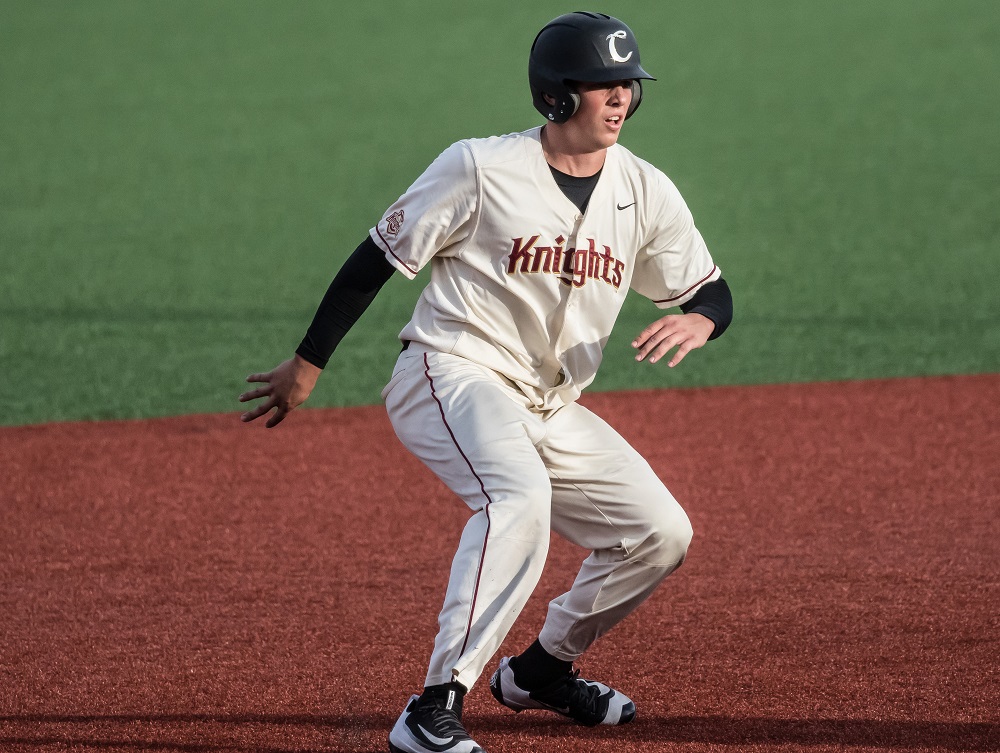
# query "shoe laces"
(578, 694)
(445, 722)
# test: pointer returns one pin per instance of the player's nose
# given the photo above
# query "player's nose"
(617, 93)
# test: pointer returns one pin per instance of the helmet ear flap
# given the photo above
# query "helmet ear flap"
(636, 97)
(561, 108)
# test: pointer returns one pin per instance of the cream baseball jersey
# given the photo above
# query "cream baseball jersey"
(521, 281)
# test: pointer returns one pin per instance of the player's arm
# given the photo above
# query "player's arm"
(353, 289)
(705, 317)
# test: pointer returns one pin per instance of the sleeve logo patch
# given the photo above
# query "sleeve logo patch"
(393, 223)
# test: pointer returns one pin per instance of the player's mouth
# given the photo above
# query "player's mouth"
(614, 122)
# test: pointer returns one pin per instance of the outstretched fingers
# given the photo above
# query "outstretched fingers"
(277, 418)
(684, 332)
(259, 392)
(259, 410)
(683, 349)
(655, 340)
(254, 394)
(285, 387)
(262, 377)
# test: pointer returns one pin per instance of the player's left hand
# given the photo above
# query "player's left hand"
(682, 331)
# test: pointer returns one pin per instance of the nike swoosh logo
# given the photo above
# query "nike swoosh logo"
(564, 710)
(620, 207)
(434, 739)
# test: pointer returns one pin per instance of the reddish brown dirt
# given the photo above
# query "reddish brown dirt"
(194, 584)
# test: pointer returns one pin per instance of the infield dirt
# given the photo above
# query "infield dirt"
(195, 584)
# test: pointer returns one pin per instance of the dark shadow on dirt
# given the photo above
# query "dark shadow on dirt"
(175, 732)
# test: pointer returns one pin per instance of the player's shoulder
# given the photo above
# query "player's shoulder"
(635, 165)
(464, 162)
(647, 178)
(499, 150)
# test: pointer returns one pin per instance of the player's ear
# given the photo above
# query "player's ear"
(549, 99)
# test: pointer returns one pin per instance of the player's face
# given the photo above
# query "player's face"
(599, 119)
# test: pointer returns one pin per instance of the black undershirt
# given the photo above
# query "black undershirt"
(367, 270)
(578, 190)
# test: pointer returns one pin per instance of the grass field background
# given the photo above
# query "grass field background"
(180, 181)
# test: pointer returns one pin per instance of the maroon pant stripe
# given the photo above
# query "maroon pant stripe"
(486, 507)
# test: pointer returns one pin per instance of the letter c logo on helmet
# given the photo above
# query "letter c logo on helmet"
(620, 34)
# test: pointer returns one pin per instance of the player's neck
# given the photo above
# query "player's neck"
(568, 158)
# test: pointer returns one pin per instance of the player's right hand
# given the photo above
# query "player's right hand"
(286, 387)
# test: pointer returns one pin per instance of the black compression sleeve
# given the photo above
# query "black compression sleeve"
(349, 295)
(715, 301)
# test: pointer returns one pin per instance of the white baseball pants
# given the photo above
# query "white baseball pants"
(523, 473)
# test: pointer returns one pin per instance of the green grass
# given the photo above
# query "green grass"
(180, 181)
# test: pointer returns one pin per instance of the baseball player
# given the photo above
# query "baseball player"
(533, 240)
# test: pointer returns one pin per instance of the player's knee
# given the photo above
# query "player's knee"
(525, 516)
(534, 523)
(667, 539)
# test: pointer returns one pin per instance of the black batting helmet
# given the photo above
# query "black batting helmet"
(582, 46)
